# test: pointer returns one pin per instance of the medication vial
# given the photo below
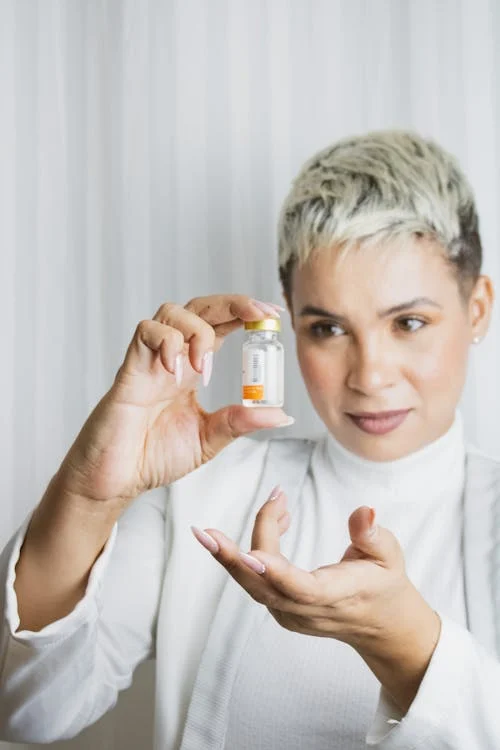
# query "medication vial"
(263, 364)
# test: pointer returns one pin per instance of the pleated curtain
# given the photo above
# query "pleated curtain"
(145, 149)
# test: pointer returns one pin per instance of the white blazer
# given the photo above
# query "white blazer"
(154, 592)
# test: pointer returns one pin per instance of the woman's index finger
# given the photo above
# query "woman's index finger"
(218, 309)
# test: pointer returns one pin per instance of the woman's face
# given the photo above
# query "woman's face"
(385, 331)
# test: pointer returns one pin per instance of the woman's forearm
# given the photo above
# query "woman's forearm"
(65, 536)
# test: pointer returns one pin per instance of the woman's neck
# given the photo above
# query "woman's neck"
(431, 467)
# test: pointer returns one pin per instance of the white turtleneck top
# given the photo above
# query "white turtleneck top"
(322, 694)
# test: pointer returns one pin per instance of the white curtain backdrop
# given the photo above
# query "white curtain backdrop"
(145, 149)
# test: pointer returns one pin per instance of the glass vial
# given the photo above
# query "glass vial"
(263, 364)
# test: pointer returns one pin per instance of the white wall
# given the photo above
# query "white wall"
(145, 149)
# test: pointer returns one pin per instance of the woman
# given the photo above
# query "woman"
(380, 262)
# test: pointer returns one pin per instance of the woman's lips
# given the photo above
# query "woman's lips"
(380, 425)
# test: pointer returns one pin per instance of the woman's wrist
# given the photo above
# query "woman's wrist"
(400, 651)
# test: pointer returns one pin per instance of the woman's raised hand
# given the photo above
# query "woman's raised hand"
(149, 429)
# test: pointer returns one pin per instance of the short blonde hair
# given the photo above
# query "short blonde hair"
(380, 186)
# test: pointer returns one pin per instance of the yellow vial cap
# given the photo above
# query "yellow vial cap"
(268, 324)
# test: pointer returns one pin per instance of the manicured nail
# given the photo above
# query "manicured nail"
(267, 309)
(206, 540)
(372, 531)
(178, 369)
(253, 563)
(278, 307)
(288, 421)
(275, 493)
(208, 361)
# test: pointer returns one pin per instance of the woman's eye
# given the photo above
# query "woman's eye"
(411, 328)
(333, 330)
(326, 330)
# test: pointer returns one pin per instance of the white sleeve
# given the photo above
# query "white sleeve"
(456, 707)
(57, 681)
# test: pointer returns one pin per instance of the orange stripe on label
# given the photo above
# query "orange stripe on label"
(254, 392)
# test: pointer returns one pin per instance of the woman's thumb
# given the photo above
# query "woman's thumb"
(371, 539)
(231, 422)
(362, 526)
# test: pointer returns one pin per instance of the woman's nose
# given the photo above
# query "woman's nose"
(371, 368)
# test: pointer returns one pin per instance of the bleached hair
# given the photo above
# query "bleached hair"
(377, 187)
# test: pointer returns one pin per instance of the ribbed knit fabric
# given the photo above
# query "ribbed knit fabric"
(294, 691)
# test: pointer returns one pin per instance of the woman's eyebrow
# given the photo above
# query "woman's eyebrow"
(311, 310)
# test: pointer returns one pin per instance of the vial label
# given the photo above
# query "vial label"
(253, 375)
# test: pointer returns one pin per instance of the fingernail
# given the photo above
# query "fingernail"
(288, 421)
(205, 539)
(208, 359)
(275, 492)
(253, 563)
(179, 367)
(266, 308)
(278, 307)
(372, 531)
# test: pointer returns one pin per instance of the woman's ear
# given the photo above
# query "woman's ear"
(480, 306)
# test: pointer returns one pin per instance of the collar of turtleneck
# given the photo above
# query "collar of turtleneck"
(430, 469)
